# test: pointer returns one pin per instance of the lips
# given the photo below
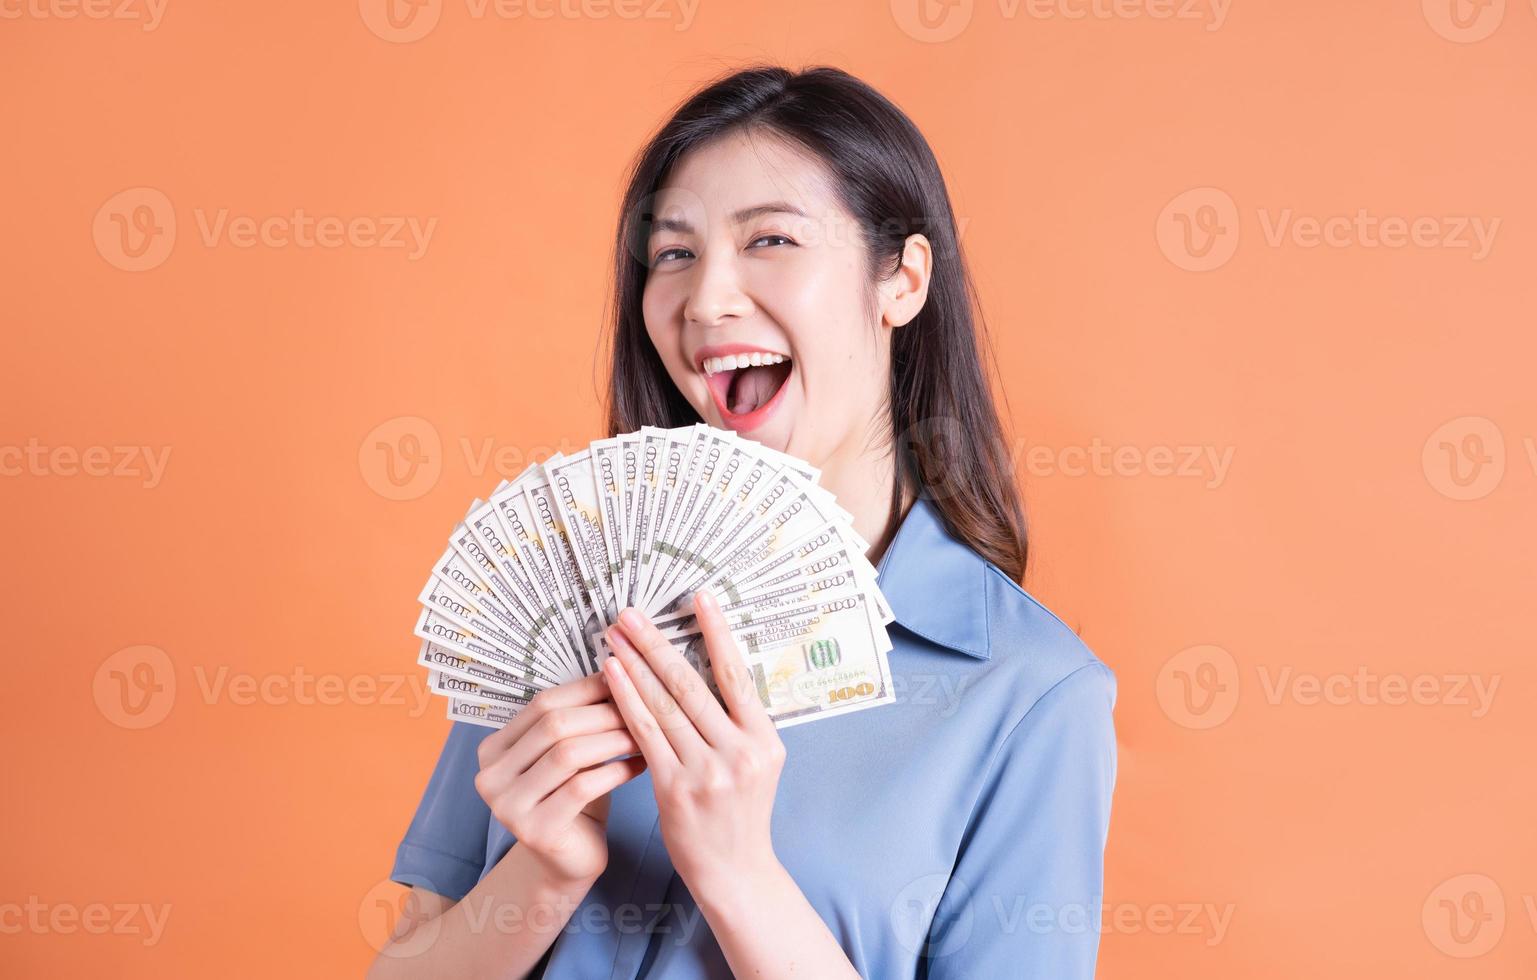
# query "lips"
(748, 394)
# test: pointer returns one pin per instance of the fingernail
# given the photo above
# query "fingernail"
(619, 642)
(632, 619)
(704, 599)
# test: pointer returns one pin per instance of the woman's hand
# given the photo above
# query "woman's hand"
(541, 777)
(715, 771)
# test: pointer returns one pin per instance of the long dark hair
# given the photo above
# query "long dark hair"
(944, 424)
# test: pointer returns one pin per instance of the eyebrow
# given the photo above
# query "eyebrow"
(746, 214)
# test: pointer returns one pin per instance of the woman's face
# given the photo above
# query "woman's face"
(752, 258)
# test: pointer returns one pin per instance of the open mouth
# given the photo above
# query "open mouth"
(742, 389)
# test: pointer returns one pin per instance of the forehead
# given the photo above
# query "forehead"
(740, 170)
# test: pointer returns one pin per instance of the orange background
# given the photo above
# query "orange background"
(1333, 836)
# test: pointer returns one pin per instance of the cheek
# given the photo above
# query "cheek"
(653, 310)
(817, 297)
(662, 325)
(829, 336)
(841, 366)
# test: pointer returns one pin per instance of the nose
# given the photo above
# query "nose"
(715, 294)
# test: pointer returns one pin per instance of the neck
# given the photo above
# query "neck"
(861, 478)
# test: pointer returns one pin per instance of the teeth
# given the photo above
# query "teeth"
(715, 365)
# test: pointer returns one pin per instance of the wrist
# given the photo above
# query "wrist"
(551, 879)
(739, 890)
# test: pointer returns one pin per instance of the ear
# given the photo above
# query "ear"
(904, 293)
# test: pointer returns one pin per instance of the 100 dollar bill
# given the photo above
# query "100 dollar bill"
(815, 661)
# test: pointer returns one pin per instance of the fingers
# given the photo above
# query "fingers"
(531, 818)
(558, 725)
(732, 677)
(638, 718)
(588, 690)
(549, 728)
(565, 803)
(563, 734)
(669, 683)
(566, 759)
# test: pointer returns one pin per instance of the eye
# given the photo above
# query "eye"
(682, 252)
(662, 255)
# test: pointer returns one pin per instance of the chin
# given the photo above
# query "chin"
(775, 435)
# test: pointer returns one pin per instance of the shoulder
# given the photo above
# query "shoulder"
(1039, 656)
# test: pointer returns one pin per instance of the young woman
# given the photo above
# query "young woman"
(628, 825)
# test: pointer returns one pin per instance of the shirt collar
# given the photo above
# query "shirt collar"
(935, 583)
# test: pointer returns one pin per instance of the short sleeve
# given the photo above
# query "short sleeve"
(444, 849)
(1025, 895)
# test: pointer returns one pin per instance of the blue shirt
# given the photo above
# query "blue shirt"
(958, 832)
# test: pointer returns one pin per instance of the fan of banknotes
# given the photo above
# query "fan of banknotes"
(532, 576)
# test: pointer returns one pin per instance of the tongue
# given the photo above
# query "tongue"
(751, 387)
